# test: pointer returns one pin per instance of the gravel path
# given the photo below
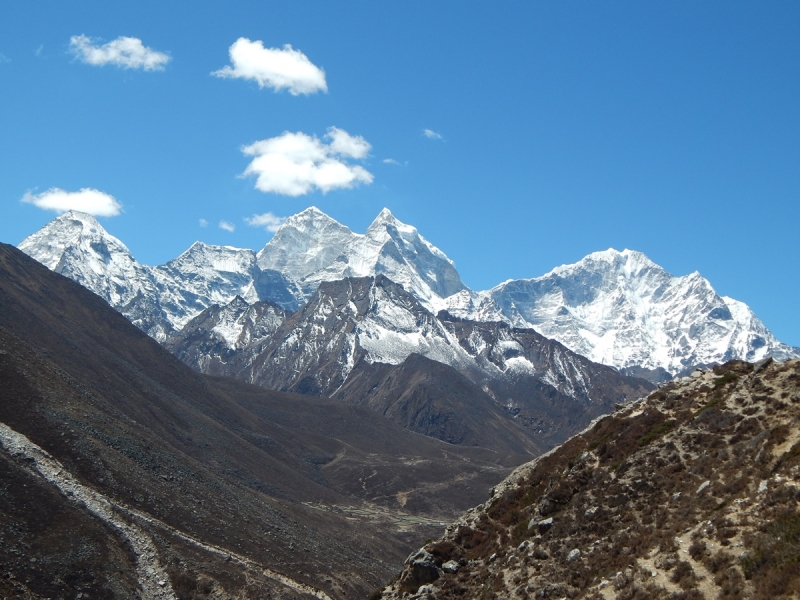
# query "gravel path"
(153, 580)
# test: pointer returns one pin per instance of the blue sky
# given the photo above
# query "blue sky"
(672, 128)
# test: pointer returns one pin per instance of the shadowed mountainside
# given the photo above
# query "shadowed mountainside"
(370, 342)
(126, 473)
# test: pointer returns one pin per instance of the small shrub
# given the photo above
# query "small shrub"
(656, 431)
(683, 575)
(697, 549)
(725, 380)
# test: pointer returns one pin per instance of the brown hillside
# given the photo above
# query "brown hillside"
(127, 474)
(693, 492)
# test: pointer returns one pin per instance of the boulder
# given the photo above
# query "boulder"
(451, 566)
(545, 525)
(420, 570)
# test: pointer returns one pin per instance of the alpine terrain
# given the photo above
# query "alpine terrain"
(473, 383)
(622, 309)
(364, 305)
(125, 474)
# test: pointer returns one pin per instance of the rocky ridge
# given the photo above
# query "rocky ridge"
(692, 492)
(347, 340)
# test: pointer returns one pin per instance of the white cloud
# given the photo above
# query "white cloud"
(38, 51)
(203, 223)
(4, 58)
(391, 161)
(294, 164)
(227, 226)
(347, 145)
(276, 68)
(431, 134)
(88, 200)
(268, 221)
(126, 52)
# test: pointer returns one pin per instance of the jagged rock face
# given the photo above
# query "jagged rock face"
(689, 493)
(353, 341)
(623, 310)
(549, 389)
(344, 322)
(210, 340)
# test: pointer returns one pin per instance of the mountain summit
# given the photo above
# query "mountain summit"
(622, 309)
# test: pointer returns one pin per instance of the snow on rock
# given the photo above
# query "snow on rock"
(202, 276)
(389, 247)
(76, 246)
(305, 243)
(159, 300)
(623, 310)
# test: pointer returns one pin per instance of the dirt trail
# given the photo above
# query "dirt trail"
(153, 580)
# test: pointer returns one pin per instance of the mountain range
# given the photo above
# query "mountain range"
(150, 479)
(615, 307)
(382, 319)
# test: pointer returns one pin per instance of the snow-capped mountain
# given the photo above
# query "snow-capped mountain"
(311, 247)
(159, 300)
(622, 309)
(77, 246)
(305, 243)
(616, 308)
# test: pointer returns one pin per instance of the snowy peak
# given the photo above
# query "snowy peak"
(396, 250)
(311, 247)
(76, 245)
(212, 259)
(623, 310)
(305, 243)
(384, 218)
(71, 230)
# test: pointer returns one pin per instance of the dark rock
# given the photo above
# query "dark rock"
(545, 525)
(420, 569)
